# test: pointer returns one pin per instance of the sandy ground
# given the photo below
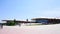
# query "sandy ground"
(42, 29)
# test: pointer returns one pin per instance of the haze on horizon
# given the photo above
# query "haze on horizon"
(23, 9)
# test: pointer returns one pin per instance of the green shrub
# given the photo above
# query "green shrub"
(11, 23)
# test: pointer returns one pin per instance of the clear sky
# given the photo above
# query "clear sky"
(23, 9)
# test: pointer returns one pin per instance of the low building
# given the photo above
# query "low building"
(35, 21)
(46, 20)
(16, 22)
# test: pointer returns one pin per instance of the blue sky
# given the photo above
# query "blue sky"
(27, 9)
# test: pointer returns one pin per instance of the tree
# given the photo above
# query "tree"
(11, 23)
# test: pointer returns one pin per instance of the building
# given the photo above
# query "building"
(46, 20)
(35, 21)
(16, 22)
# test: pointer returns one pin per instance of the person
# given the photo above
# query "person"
(1, 26)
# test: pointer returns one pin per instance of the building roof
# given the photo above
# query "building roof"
(10, 20)
(44, 18)
(18, 21)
